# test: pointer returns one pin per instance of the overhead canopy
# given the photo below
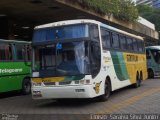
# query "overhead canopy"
(25, 14)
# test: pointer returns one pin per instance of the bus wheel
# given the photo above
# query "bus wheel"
(107, 91)
(138, 81)
(26, 86)
(150, 73)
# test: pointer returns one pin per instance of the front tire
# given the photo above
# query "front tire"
(26, 86)
(107, 92)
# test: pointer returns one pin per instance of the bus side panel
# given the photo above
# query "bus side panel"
(119, 65)
(12, 75)
(114, 67)
(135, 63)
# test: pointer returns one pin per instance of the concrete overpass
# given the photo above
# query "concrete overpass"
(23, 15)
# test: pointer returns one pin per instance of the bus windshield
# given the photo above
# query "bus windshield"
(61, 33)
(70, 58)
(156, 55)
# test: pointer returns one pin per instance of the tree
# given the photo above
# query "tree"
(121, 9)
(151, 14)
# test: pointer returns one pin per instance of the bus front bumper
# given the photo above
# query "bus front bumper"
(83, 91)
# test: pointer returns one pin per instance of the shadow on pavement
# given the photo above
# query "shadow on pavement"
(9, 94)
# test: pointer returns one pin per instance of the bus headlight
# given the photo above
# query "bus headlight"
(83, 82)
(87, 81)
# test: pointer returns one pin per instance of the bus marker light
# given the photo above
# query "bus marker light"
(87, 81)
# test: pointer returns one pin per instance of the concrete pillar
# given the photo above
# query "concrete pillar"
(3, 27)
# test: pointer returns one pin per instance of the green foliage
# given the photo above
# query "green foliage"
(151, 14)
(121, 9)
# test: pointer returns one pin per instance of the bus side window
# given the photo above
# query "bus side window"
(94, 33)
(135, 45)
(123, 42)
(95, 55)
(141, 46)
(130, 43)
(2, 52)
(5, 52)
(20, 52)
(115, 41)
(9, 55)
(28, 52)
(106, 40)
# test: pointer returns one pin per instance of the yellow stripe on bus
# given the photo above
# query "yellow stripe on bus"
(49, 79)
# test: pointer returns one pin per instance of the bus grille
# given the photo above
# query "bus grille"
(65, 83)
(49, 83)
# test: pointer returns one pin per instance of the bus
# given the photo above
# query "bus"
(153, 61)
(15, 66)
(85, 59)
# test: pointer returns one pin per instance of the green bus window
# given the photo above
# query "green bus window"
(2, 52)
(20, 52)
(5, 52)
(28, 51)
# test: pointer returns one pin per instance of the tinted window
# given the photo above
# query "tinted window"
(115, 40)
(129, 43)
(95, 58)
(141, 46)
(123, 42)
(105, 38)
(135, 45)
(94, 32)
(64, 32)
(28, 52)
(5, 52)
(156, 55)
(20, 52)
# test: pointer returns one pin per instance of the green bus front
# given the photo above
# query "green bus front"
(15, 66)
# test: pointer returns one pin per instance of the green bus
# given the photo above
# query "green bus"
(15, 66)
(153, 61)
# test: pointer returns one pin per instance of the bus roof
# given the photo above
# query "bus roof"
(153, 47)
(78, 21)
(15, 41)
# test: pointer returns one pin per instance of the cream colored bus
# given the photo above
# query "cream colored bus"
(85, 59)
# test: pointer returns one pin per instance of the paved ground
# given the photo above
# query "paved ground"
(129, 100)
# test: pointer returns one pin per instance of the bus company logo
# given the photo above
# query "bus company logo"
(10, 70)
(97, 87)
(106, 59)
(132, 58)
